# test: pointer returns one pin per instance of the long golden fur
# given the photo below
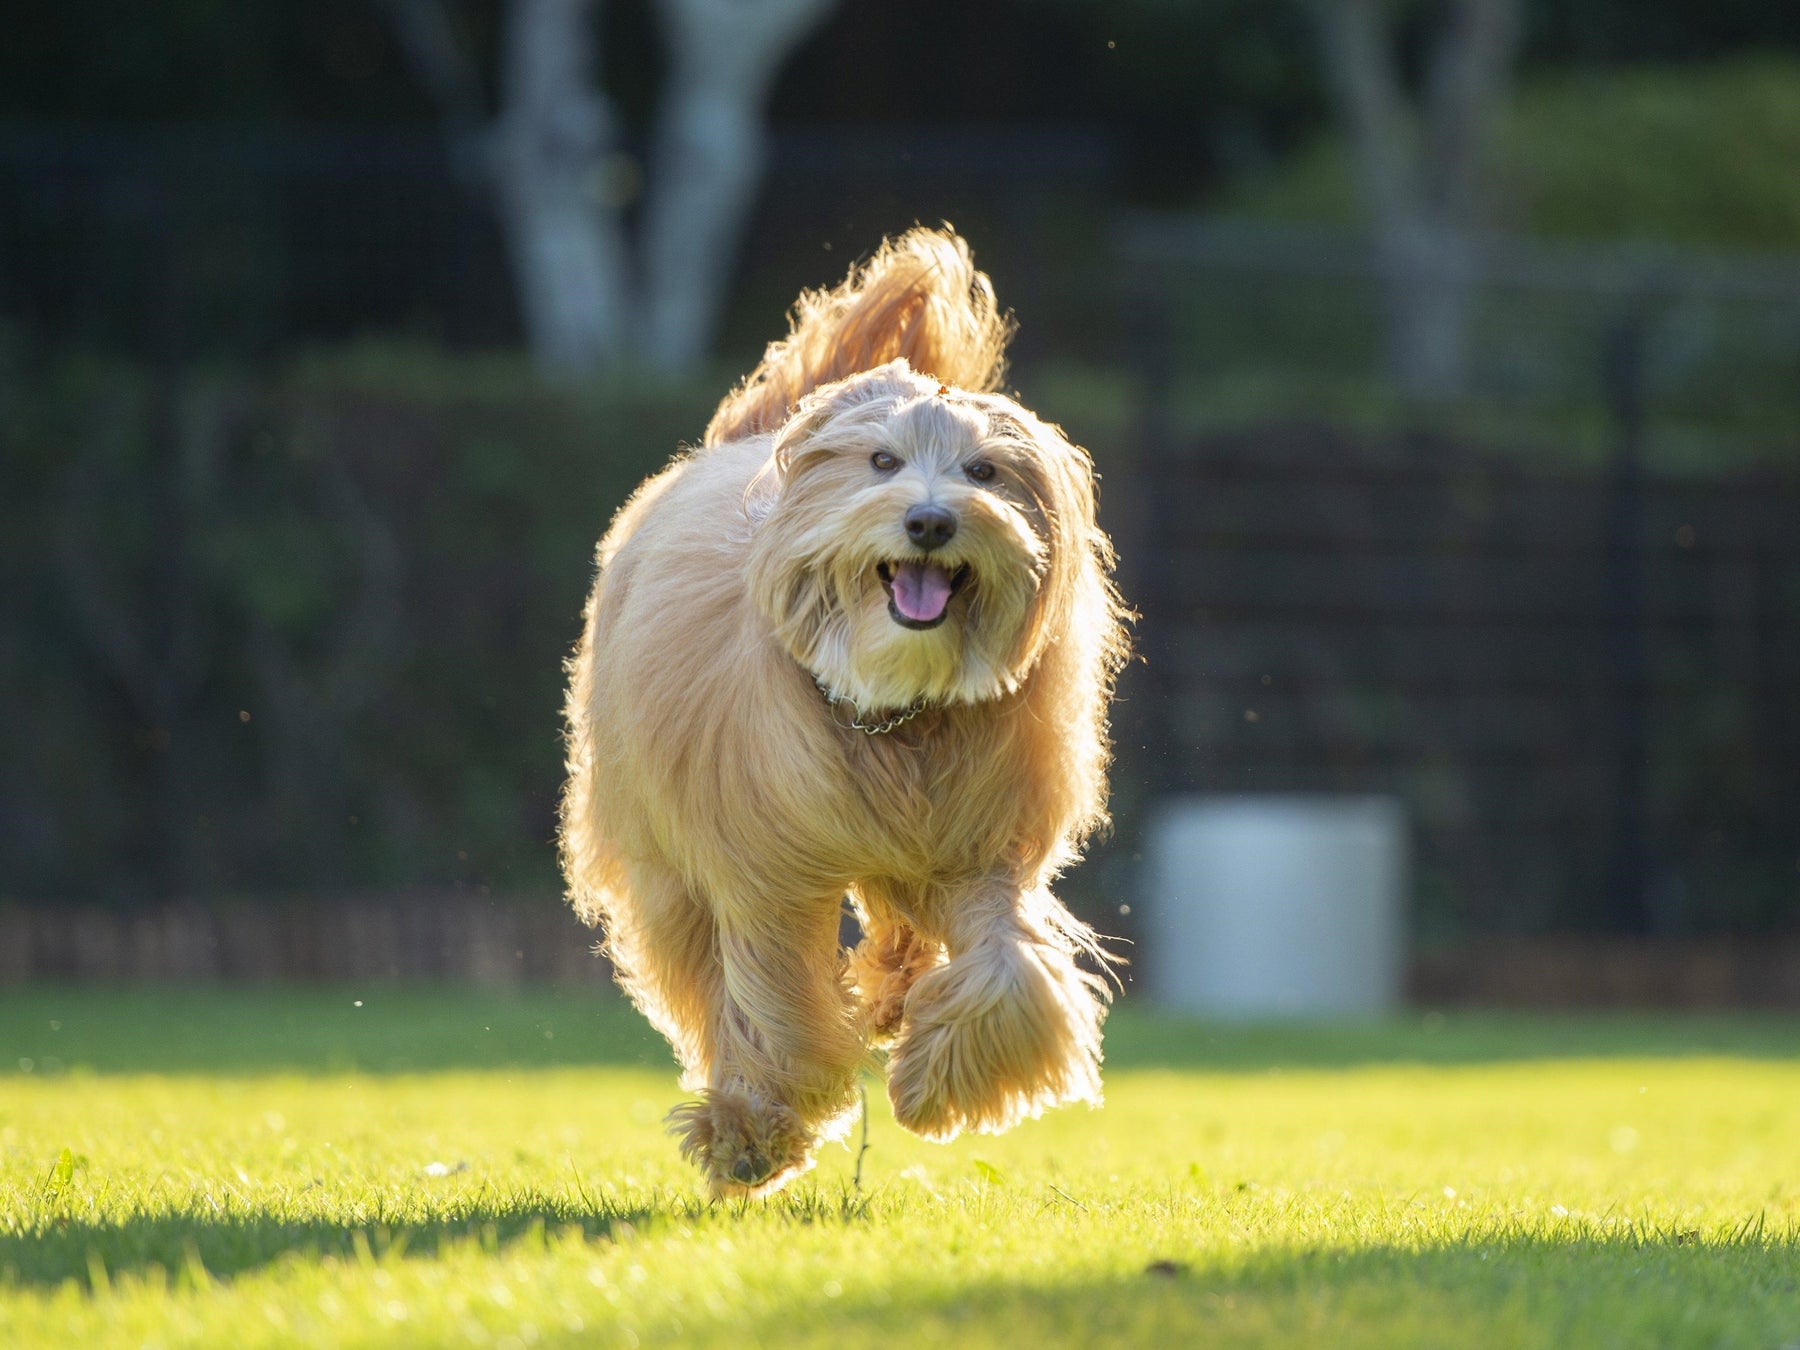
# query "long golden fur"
(721, 800)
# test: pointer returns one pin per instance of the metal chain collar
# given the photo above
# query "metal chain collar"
(856, 714)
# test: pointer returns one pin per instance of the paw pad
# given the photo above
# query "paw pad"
(750, 1168)
(742, 1142)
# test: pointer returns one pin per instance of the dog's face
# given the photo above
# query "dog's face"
(914, 541)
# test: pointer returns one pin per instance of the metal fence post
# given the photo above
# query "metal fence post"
(1628, 907)
(1151, 327)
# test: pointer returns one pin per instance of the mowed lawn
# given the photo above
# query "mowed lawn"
(418, 1167)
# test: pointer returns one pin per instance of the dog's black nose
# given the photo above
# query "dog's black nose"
(930, 526)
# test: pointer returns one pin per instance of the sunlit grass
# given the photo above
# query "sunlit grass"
(446, 1167)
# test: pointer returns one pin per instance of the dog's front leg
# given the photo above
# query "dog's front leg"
(783, 1054)
(1009, 1026)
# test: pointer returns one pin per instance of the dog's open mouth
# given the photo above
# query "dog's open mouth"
(919, 592)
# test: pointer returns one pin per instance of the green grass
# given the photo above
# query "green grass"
(458, 1167)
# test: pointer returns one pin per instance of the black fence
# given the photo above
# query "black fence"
(1571, 650)
(238, 242)
(283, 611)
(1576, 661)
(1584, 688)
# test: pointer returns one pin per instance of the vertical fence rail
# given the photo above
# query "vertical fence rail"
(1630, 869)
(1529, 645)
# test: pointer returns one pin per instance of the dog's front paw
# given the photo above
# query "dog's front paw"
(994, 1037)
(744, 1143)
(921, 1086)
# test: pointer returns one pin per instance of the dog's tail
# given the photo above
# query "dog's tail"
(920, 297)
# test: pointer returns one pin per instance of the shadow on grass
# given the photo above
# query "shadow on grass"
(225, 1246)
(1490, 1288)
(194, 1242)
(1502, 1284)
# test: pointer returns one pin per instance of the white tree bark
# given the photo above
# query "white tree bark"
(707, 159)
(1423, 174)
(1430, 271)
(550, 149)
(548, 153)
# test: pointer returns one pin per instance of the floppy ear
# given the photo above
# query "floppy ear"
(792, 595)
(1060, 477)
(792, 437)
(858, 400)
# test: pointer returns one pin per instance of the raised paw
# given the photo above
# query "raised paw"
(883, 968)
(744, 1143)
(995, 1037)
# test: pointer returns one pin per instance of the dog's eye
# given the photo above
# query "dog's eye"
(981, 471)
(883, 461)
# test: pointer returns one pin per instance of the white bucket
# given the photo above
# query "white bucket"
(1277, 905)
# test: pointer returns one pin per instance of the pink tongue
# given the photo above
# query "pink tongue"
(921, 590)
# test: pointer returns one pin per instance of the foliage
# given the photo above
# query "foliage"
(439, 1167)
(197, 58)
(300, 628)
(1639, 166)
(1696, 155)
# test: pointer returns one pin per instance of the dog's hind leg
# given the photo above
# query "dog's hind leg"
(885, 964)
(883, 969)
(781, 1051)
(1009, 1026)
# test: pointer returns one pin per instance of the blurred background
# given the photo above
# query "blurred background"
(1441, 361)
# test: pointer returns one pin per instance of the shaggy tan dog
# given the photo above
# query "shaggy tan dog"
(860, 643)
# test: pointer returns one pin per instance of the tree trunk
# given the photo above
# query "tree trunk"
(550, 146)
(548, 153)
(1429, 278)
(707, 159)
(1422, 171)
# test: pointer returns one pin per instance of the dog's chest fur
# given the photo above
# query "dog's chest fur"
(928, 790)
